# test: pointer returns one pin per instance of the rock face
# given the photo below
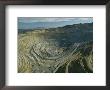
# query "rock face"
(47, 51)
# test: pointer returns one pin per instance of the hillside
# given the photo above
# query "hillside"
(67, 49)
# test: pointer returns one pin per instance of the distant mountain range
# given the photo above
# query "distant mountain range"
(68, 28)
(42, 25)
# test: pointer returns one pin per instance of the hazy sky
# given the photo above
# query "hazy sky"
(59, 19)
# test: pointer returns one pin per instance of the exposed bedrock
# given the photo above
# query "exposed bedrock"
(54, 53)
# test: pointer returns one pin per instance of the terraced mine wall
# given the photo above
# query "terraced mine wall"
(55, 51)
